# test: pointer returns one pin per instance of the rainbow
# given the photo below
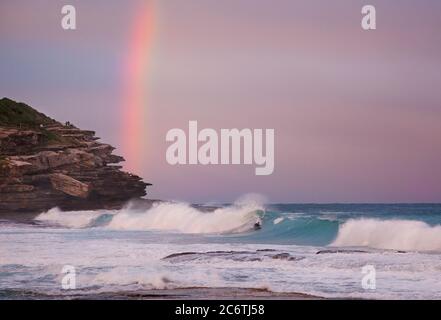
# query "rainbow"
(134, 98)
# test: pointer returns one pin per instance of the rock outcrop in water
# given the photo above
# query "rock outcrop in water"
(44, 164)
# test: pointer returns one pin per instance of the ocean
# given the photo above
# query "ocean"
(314, 249)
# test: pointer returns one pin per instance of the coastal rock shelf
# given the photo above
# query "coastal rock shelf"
(46, 164)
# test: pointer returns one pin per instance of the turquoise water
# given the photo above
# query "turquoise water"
(308, 248)
(318, 224)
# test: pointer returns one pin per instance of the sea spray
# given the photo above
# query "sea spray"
(389, 234)
(70, 219)
(165, 216)
(184, 218)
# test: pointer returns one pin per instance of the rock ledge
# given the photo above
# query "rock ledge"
(45, 164)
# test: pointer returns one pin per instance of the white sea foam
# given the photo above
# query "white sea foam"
(77, 219)
(33, 256)
(123, 276)
(184, 218)
(165, 216)
(389, 234)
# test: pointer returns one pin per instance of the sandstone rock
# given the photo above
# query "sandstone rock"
(44, 164)
(12, 188)
(14, 168)
(69, 185)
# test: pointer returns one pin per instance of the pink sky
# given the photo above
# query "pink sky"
(356, 114)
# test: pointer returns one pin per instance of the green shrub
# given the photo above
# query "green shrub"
(19, 114)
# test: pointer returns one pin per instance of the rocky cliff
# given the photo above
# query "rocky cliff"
(46, 164)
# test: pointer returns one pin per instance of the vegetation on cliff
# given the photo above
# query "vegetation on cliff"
(18, 114)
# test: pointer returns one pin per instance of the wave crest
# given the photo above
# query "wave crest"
(164, 216)
(187, 219)
(69, 219)
(405, 235)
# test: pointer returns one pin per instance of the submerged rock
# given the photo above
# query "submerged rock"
(45, 164)
(341, 251)
(241, 256)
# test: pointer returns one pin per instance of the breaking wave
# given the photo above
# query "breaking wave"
(187, 219)
(240, 218)
(405, 235)
(165, 216)
(69, 219)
